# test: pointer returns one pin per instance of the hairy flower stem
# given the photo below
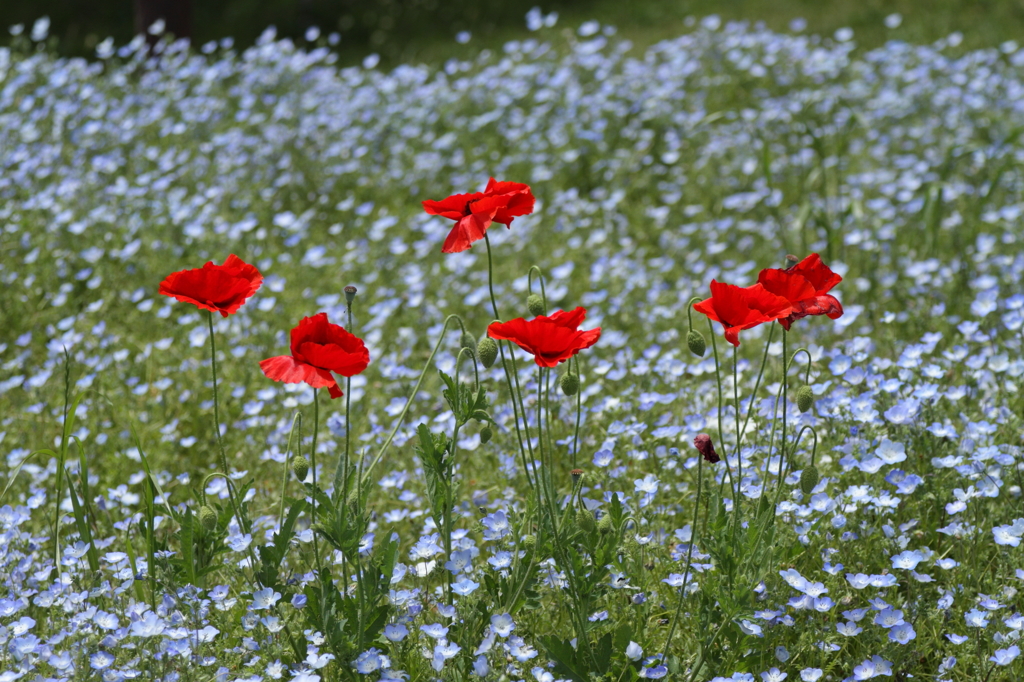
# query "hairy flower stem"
(721, 432)
(312, 466)
(242, 526)
(408, 403)
(348, 424)
(579, 410)
(689, 557)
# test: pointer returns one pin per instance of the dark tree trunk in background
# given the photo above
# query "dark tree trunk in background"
(177, 15)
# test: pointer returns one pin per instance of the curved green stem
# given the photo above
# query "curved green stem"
(216, 426)
(408, 403)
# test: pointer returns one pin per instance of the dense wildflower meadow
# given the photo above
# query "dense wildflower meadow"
(567, 362)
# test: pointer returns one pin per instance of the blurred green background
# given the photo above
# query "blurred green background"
(425, 30)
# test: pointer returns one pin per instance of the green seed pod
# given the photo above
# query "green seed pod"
(585, 520)
(350, 294)
(535, 304)
(696, 343)
(529, 541)
(469, 342)
(604, 524)
(487, 351)
(207, 517)
(804, 398)
(485, 434)
(808, 479)
(570, 383)
(300, 467)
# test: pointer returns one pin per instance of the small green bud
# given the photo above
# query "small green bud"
(535, 304)
(696, 343)
(585, 520)
(487, 351)
(350, 294)
(485, 434)
(809, 479)
(804, 398)
(300, 467)
(207, 517)
(570, 383)
(604, 524)
(529, 541)
(469, 342)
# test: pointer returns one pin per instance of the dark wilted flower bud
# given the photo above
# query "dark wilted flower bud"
(585, 520)
(809, 479)
(604, 524)
(804, 398)
(535, 304)
(706, 448)
(570, 383)
(576, 474)
(487, 351)
(350, 294)
(485, 434)
(696, 343)
(300, 467)
(469, 342)
(207, 517)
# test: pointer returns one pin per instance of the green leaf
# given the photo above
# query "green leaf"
(564, 657)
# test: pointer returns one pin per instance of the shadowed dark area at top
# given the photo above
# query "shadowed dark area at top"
(410, 30)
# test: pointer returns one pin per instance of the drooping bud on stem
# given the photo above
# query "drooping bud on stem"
(469, 343)
(809, 478)
(706, 448)
(486, 434)
(585, 520)
(570, 383)
(696, 343)
(207, 517)
(804, 398)
(535, 304)
(300, 467)
(487, 351)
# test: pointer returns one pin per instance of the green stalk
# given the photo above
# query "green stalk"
(216, 424)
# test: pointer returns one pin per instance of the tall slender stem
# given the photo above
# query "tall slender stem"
(739, 445)
(721, 432)
(785, 391)
(689, 557)
(579, 410)
(348, 423)
(216, 427)
(312, 464)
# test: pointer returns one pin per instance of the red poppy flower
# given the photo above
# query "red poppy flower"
(473, 213)
(805, 286)
(739, 308)
(551, 339)
(319, 348)
(217, 288)
(706, 448)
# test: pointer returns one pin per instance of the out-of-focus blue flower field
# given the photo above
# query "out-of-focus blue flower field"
(710, 156)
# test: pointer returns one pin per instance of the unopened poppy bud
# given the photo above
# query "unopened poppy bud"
(300, 467)
(350, 294)
(585, 520)
(529, 541)
(804, 398)
(207, 517)
(706, 448)
(487, 351)
(486, 434)
(809, 479)
(604, 524)
(535, 304)
(469, 342)
(570, 383)
(696, 343)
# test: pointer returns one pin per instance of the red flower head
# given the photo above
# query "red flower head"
(217, 288)
(473, 213)
(739, 308)
(706, 448)
(550, 338)
(319, 348)
(805, 286)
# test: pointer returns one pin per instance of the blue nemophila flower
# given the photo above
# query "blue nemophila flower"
(902, 633)
(634, 651)
(151, 625)
(396, 632)
(652, 668)
(101, 660)
(370, 661)
(849, 629)
(873, 667)
(811, 674)
(976, 619)
(773, 675)
(1005, 656)
(266, 598)
(502, 624)
(908, 560)
(435, 630)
